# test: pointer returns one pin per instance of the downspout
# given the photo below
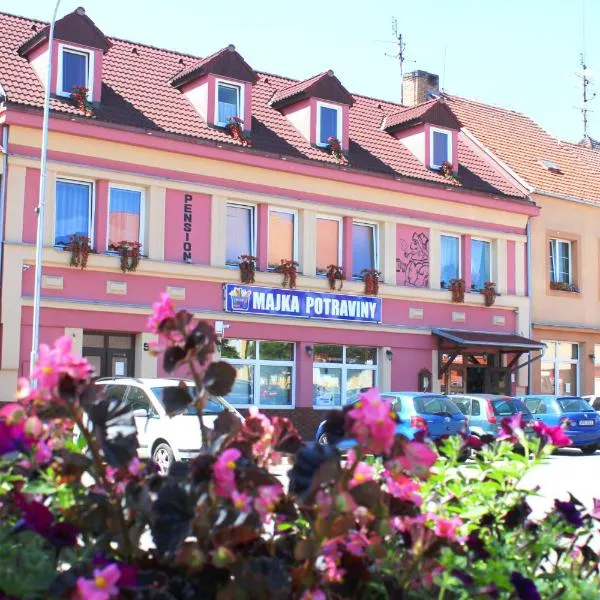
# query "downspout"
(3, 194)
(529, 374)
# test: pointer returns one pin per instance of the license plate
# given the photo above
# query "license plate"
(587, 422)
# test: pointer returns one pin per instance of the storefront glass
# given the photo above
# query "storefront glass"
(560, 368)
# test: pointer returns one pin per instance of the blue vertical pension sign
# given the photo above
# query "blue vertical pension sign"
(305, 304)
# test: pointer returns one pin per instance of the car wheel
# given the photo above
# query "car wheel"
(323, 440)
(589, 449)
(163, 457)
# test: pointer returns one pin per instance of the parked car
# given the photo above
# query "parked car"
(580, 420)
(594, 402)
(484, 412)
(162, 438)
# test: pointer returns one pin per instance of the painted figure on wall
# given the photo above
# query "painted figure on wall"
(412, 264)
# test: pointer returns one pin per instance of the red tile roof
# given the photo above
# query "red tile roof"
(435, 112)
(324, 85)
(136, 92)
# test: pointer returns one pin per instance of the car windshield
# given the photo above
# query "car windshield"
(509, 406)
(436, 405)
(571, 405)
(212, 406)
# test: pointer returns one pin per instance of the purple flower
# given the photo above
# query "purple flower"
(476, 545)
(511, 428)
(569, 512)
(524, 587)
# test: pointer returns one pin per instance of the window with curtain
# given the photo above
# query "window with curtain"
(440, 147)
(124, 216)
(328, 243)
(560, 261)
(328, 123)
(281, 237)
(73, 211)
(74, 69)
(363, 248)
(228, 102)
(481, 263)
(240, 232)
(450, 259)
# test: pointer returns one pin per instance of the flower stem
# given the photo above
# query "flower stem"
(200, 392)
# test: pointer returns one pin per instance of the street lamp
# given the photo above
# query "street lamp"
(39, 240)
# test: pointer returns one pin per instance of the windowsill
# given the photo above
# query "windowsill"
(557, 292)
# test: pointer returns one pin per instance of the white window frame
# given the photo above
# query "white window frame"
(92, 205)
(142, 232)
(232, 84)
(448, 135)
(255, 363)
(375, 227)
(561, 361)
(340, 223)
(458, 239)
(340, 124)
(345, 367)
(491, 264)
(557, 242)
(253, 230)
(288, 211)
(90, 70)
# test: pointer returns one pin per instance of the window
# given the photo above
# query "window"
(441, 147)
(329, 243)
(340, 373)
(329, 123)
(481, 263)
(74, 69)
(364, 247)
(73, 210)
(560, 368)
(560, 262)
(265, 372)
(283, 241)
(138, 400)
(450, 263)
(125, 216)
(240, 236)
(229, 102)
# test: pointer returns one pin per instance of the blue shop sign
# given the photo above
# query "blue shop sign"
(256, 300)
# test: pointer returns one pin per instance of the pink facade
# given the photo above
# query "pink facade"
(511, 276)
(32, 188)
(412, 256)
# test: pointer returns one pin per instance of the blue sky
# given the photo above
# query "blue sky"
(520, 54)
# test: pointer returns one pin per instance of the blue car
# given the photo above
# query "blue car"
(580, 421)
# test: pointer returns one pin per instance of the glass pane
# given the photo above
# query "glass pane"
(480, 263)
(281, 237)
(328, 353)
(357, 381)
(240, 227)
(228, 102)
(96, 362)
(93, 340)
(567, 378)
(120, 342)
(550, 351)
(239, 349)
(440, 148)
(75, 70)
(327, 386)
(553, 262)
(242, 392)
(276, 351)
(547, 378)
(124, 217)
(118, 366)
(567, 351)
(329, 117)
(571, 405)
(449, 267)
(275, 385)
(328, 244)
(137, 399)
(564, 263)
(358, 355)
(72, 211)
(363, 248)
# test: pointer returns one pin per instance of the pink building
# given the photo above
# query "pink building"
(152, 153)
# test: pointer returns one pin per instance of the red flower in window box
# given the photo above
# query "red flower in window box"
(447, 171)
(335, 273)
(289, 270)
(372, 279)
(129, 253)
(247, 268)
(79, 96)
(457, 287)
(235, 128)
(489, 292)
(79, 246)
(335, 149)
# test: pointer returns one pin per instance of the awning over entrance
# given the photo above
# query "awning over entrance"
(506, 342)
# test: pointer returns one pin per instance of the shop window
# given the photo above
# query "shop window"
(74, 70)
(229, 102)
(450, 259)
(329, 243)
(283, 238)
(364, 248)
(73, 211)
(341, 372)
(125, 216)
(481, 263)
(240, 235)
(329, 123)
(265, 372)
(561, 263)
(597, 369)
(560, 369)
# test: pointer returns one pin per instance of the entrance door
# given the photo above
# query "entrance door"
(498, 381)
(111, 354)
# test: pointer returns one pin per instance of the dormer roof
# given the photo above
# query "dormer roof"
(435, 112)
(325, 86)
(227, 62)
(76, 27)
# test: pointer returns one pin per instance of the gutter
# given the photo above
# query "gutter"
(4, 150)
(529, 371)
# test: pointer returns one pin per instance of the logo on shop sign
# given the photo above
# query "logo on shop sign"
(300, 303)
(187, 228)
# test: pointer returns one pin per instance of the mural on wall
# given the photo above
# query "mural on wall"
(412, 262)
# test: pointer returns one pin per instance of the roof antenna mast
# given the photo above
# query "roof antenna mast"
(400, 54)
(585, 80)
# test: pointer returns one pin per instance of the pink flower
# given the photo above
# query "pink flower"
(333, 573)
(446, 528)
(135, 467)
(43, 453)
(362, 473)
(268, 496)
(313, 594)
(323, 502)
(418, 458)
(511, 428)
(356, 543)
(161, 310)
(33, 428)
(12, 414)
(403, 488)
(551, 435)
(596, 510)
(241, 501)
(373, 422)
(102, 587)
(25, 393)
(224, 472)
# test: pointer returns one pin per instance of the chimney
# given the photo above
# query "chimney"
(418, 87)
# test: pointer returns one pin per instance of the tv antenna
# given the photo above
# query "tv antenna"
(399, 56)
(587, 96)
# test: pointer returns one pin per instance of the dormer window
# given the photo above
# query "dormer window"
(329, 123)
(441, 147)
(230, 102)
(73, 70)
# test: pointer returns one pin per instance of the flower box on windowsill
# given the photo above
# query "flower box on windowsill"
(558, 286)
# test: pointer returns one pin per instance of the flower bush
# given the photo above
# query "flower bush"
(129, 255)
(83, 517)
(79, 247)
(79, 97)
(247, 264)
(289, 270)
(334, 274)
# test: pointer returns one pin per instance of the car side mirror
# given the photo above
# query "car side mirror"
(140, 412)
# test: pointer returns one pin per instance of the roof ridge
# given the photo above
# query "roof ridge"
(488, 105)
(38, 21)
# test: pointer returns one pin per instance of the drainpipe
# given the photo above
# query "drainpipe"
(3, 193)
(529, 374)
